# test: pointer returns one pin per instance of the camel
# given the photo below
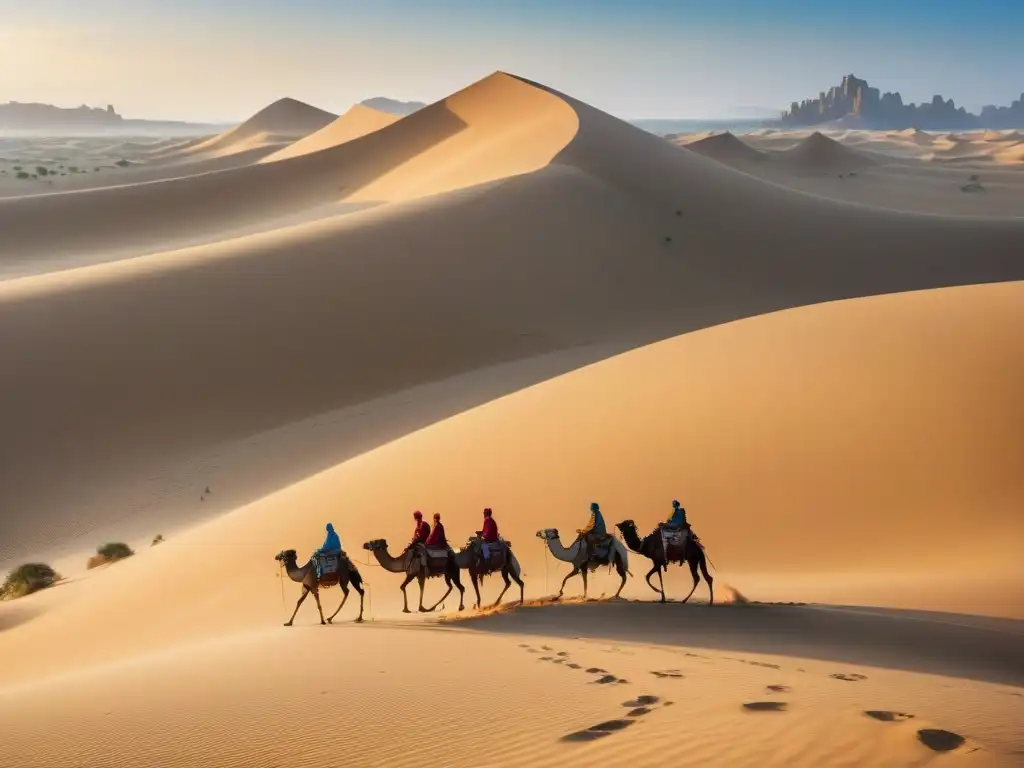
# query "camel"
(412, 566)
(501, 560)
(653, 547)
(575, 554)
(306, 576)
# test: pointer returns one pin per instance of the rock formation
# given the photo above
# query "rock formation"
(28, 116)
(870, 108)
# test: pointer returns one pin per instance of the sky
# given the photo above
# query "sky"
(223, 60)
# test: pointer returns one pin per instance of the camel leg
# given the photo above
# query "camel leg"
(561, 589)
(583, 573)
(655, 569)
(508, 583)
(432, 608)
(305, 591)
(696, 578)
(661, 581)
(621, 568)
(462, 592)
(316, 596)
(476, 588)
(344, 588)
(708, 579)
(423, 583)
(405, 598)
(522, 588)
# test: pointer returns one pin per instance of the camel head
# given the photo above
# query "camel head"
(286, 556)
(377, 545)
(548, 534)
(625, 524)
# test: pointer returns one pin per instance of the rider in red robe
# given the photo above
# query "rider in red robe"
(437, 539)
(488, 534)
(422, 529)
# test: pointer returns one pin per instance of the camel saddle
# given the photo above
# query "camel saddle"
(497, 552)
(330, 568)
(601, 551)
(674, 542)
(437, 559)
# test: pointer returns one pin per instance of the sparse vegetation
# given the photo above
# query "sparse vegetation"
(17, 167)
(26, 579)
(109, 553)
(73, 169)
(42, 170)
(123, 163)
(158, 539)
(21, 175)
(972, 187)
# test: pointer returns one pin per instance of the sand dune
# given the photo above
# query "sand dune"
(357, 122)
(820, 154)
(189, 358)
(726, 147)
(285, 119)
(863, 451)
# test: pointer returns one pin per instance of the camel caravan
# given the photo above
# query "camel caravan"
(428, 555)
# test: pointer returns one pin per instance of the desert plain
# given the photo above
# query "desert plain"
(509, 299)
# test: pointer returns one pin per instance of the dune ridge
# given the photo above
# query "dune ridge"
(283, 120)
(726, 147)
(358, 121)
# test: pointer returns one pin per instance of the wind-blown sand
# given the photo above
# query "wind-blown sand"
(831, 450)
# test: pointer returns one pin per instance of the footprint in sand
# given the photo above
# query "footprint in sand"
(562, 653)
(667, 673)
(765, 706)
(595, 670)
(939, 740)
(764, 664)
(888, 716)
(853, 677)
(642, 700)
(598, 731)
(605, 679)
(544, 658)
(778, 688)
(546, 648)
(571, 665)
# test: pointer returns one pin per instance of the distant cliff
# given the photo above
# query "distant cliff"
(28, 116)
(393, 106)
(856, 102)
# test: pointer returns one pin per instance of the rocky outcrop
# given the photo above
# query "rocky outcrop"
(854, 98)
(17, 115)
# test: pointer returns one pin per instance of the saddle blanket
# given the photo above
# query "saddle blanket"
(329, 564)
(437, 554)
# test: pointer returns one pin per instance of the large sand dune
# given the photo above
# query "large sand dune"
(285, 119)
(356, 122)
(864, 451)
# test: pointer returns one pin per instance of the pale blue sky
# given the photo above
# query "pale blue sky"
(224, 59)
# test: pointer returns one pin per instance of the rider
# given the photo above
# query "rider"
(488, 534)
(595, 530)
(419, 536)
(331, 545)
(437, 539)
(678, 517)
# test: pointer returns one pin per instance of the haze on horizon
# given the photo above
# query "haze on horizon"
(221, 60)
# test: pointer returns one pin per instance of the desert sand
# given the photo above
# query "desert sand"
(510, 299)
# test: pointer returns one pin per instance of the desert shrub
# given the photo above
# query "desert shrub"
(95, 169)
(109, 553)
(73, 169)
(17, 167)
(158, 539)
(21, 175)
(123, 163)
(26, 579)
(42, 170)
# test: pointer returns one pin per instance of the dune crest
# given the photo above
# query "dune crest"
(358, 121)
(726, 147)
(286, 119)
(818, 153)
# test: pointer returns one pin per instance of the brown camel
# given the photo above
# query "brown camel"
(653, 547)
(501, 560)
(306, 576)
(411, 564)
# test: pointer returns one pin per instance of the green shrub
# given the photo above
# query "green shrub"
(123, 163)
(21, 175)
(42, 170)
(109, 553)
(26, 579)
